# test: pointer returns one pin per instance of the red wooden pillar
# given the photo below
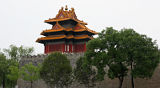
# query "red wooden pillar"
(46, 49)
(49, 48)
(85, 47)
(63, 47)
(73, 48)
(70, 48)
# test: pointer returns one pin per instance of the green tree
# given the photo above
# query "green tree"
(3, 69)
(30, 73)
(105, 50)
(13, 74)
(120, 50)
(9, 66)
(84, 73)
(56, 70)
(6, 74)
(15, 52)
(142, 54)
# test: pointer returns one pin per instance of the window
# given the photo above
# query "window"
(67, 48)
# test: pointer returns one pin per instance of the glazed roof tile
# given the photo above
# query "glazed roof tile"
(54, 37)
(60, 28)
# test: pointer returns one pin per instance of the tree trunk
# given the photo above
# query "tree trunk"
(31, 84)
(11, 85)
(120, 82)
(132, 79)
(55, 86)
(3, 81)
(88, 85)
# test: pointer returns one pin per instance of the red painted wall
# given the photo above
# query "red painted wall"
(54, 47)
(79, 48)
(65, 48)
(46, 49)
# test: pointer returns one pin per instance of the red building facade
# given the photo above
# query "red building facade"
(68, 34)
(65, 48)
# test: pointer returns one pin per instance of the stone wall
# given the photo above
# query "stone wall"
(35, 59)
(154, 82)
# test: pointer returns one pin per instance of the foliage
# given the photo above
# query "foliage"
(15, 52)
(142, 53)
(3, 69)
(30, 73)
(84, 73)
(106, 51)
(56, 70)
(9, 71)
(13, 74)
(120, 50)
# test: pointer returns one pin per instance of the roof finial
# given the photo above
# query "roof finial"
(61, 8)
(66, 7)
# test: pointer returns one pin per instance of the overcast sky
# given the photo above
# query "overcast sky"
(22, 21)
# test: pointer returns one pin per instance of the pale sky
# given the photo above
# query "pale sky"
(22, 21)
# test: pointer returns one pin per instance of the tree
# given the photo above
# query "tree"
(30, 73)
(142, 54)
(84, 73)
(56, 70)
(120, 50)
(13, 74)
(105, 50)
(8, 72)
(15, 52)
(9, 65)
(3, 69)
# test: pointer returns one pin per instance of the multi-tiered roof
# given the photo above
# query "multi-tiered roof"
(66, 27)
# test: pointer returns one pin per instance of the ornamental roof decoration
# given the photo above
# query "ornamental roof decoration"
(65, 15)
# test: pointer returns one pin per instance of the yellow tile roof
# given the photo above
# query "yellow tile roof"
(54, 37)
(82, 28)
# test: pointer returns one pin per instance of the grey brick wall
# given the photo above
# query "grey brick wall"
(35, 59)
(154, 82)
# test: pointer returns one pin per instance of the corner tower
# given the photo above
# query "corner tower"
(68, 33)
